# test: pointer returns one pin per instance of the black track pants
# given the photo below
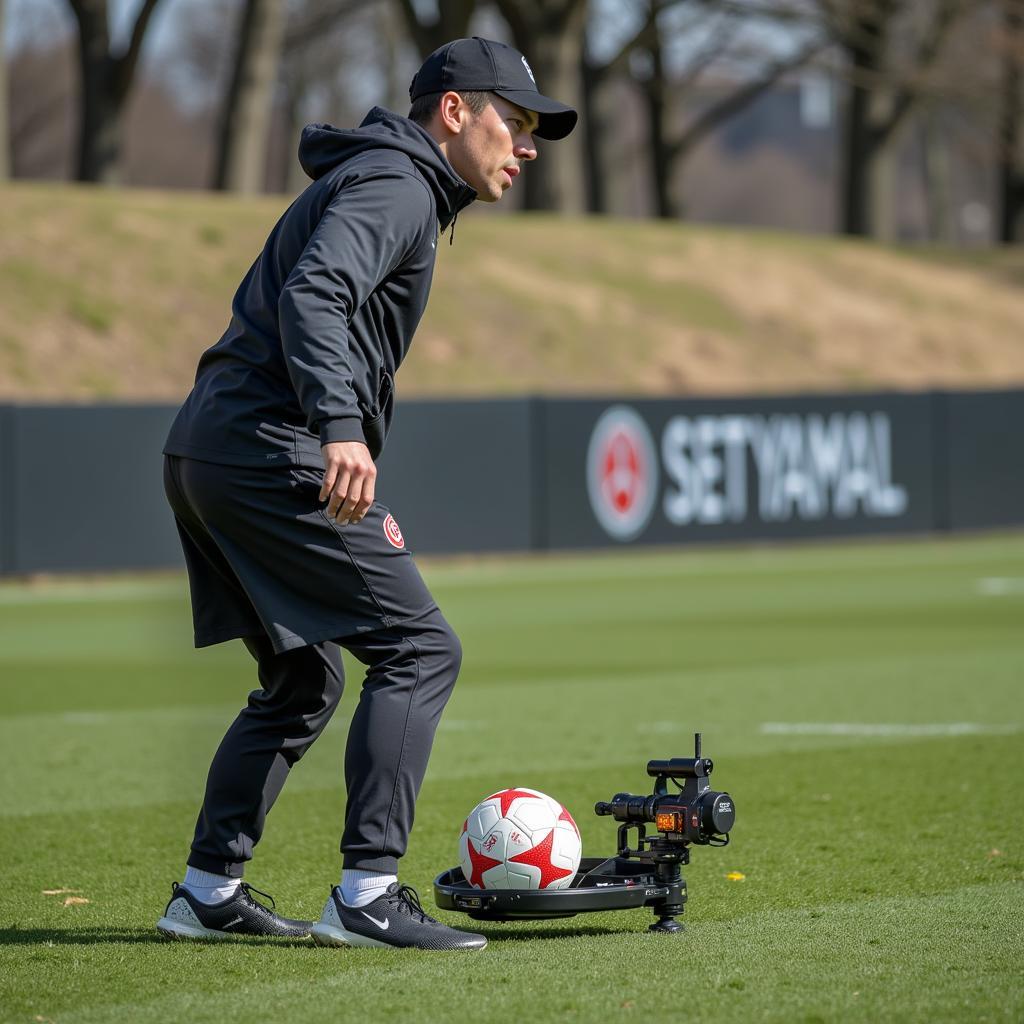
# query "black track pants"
(411, 669)
(267, 565)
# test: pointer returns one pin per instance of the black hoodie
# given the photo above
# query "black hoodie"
(327, 312)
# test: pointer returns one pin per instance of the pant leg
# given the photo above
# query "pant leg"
(300, 691)
(412, 670)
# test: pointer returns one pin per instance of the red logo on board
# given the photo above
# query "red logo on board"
(393, 533)
(622, 472)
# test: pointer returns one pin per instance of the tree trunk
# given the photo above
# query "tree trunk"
(592, 84)
(106, 80)
(859, 139)
(937, 176)
(661, 161)
(245, 120)
(99, 140)
(882, 216)
(5, 133)
(551, 37)
(389, 32)
(1010, 173)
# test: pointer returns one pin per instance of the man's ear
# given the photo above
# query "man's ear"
(451, 110)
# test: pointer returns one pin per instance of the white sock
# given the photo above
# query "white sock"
(208, 887)
(361, 887)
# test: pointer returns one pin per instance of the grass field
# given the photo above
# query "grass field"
(862, 703)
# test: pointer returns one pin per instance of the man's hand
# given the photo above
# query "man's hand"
(349, 479)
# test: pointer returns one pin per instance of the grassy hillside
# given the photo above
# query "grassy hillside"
(115, 293)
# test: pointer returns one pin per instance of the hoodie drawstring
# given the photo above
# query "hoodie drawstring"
(451, 229)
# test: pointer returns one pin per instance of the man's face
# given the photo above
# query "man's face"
(489, 151)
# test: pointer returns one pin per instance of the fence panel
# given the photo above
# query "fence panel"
(985, 458)
(87, 489)
(81, 490)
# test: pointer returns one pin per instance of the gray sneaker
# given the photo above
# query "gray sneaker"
(396, 919)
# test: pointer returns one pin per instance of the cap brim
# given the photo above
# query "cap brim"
(556, 119)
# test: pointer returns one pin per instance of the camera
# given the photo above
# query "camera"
(694, 814)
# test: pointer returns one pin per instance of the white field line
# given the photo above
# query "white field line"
(1000, 586)
(90, 593)
(462, 725)
(908, 729)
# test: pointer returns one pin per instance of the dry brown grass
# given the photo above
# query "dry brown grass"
(115, 293)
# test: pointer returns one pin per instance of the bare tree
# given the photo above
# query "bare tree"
(327, 45)
(1009, 159)
(550, 34)
(708, 34)
(602, 82)
(669, 149)
(245, 117)
(889, 47)
(106, 80)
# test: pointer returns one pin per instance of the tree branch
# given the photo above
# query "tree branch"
(124, 65)
(735, 101)
(770, 12)
(639, 38)
(719, 40)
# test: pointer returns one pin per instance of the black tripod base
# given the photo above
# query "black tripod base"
(617, 883)
(667, 926)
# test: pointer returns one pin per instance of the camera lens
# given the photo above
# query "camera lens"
(718, 813)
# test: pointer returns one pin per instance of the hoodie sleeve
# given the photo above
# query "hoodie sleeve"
(369, 227)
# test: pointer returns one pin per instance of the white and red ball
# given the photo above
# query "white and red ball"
(519, 839)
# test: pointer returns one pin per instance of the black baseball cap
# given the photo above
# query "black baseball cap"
(483, 65)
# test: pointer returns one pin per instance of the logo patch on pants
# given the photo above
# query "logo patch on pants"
(393, 533)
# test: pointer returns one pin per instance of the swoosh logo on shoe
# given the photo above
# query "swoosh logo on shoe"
(382, 925)
(230, 924)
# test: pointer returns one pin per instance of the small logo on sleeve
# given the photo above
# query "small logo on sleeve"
(393, 533)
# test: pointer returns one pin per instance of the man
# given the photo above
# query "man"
(269, 468)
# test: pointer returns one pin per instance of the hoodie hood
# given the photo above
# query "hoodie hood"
(322, 147)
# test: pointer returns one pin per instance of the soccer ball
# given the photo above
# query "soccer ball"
(519, 839)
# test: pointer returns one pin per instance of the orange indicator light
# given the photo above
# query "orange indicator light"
(669, 821)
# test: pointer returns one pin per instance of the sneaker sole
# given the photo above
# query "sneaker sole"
(329, 935)
(337, 938)
(179, 930)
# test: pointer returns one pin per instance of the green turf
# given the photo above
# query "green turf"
(862, 703)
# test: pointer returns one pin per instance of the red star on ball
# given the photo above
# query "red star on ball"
(507, 796)
(566, 816)
(540, 857)
(481, 863)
